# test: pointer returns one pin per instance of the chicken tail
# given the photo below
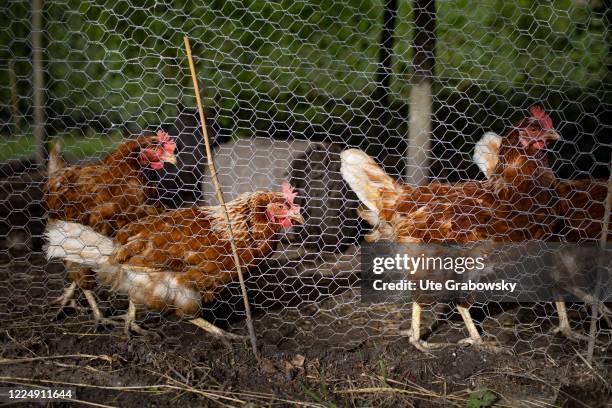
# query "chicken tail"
(374, 187)
(56, 159)
(486, 153)
(80, 244)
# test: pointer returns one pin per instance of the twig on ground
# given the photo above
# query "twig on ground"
(607, 384)
(31, 359)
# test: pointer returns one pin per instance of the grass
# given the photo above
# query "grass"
(77, 145)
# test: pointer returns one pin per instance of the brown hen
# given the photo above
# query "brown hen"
(178, 260)
(513, 205)
(581, 210)
(104, 196)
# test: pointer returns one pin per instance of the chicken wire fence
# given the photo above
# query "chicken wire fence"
(287, 86)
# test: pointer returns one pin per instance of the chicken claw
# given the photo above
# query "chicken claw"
(423, 345)
(67, 298)
(564, 326)
(128, 321)
(414, 333)
(490, 346)
(475, 339)
(99, 318)
(216, 331)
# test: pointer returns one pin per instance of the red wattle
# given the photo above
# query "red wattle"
(286, 223)
(540, 144)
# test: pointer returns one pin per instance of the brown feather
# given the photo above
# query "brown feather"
(518, 203)
(582, 208)
(105, 196)
(192, 245)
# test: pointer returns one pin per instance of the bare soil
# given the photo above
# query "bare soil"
(315, 356)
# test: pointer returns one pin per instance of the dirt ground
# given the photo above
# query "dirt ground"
(339, 353)
(332, 352)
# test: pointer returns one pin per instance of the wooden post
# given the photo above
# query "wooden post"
(384, 72)
(603, 239)
(385, 53)
(38, 83)
(424, 43)
(14, 98)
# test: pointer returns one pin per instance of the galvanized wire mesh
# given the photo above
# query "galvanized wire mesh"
(287, 86)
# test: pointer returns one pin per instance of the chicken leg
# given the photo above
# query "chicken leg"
(128, 321)
(475, 339)
(67, 298)
(219, 333)
(98, 316)
(83, 279)
(564, 327)
(415, 332)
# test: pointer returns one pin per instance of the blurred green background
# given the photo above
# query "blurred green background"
(306, 69)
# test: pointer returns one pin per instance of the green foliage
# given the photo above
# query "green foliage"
(482, 398)
(322, 397)
(301, 63)
(74, 145)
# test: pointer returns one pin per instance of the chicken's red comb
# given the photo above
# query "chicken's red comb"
(162, 136)
(166, 141)
(289, 192)
(538, 113)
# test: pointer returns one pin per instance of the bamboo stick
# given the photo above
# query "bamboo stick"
(213, 173)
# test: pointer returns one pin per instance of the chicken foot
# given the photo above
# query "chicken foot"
(475, 338)
(98, 316)
(67, 298)
(564, 326)
(217, 332)
(415, 332)
(128, 321)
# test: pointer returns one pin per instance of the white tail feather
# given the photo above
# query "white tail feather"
(80, 244)
(486, 153)
(56, 159)
(366, 178)
(77, 243)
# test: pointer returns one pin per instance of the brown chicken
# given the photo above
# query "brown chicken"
(581, 202)
(177, 261)
(513, 205)
(581, 209)
(104, 196)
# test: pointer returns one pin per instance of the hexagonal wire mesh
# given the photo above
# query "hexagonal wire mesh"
(287, 87)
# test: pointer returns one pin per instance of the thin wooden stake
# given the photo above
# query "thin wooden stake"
(213, 173)
(38, 83)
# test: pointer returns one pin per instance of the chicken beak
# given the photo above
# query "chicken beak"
(168, 158)
(552, 135)
(297, 218)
